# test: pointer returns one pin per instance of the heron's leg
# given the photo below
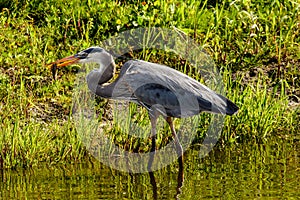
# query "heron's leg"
(153, 183)
(153, 133)
(179, 149)
(153, 120)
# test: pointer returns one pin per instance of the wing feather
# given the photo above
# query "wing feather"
(179, 94)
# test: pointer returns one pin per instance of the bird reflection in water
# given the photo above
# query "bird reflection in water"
(180, 180)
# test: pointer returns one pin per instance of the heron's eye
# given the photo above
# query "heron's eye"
(81, 55)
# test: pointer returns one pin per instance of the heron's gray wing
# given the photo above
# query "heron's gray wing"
(152, 84)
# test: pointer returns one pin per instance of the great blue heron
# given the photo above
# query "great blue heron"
(159, 88)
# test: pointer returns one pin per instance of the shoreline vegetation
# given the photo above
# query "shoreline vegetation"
(254, 44)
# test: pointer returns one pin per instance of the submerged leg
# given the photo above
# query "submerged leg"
(179, 149)
(153, 119)
(154, 186)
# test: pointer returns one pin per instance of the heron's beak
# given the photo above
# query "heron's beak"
(61, 63)
(65, 61)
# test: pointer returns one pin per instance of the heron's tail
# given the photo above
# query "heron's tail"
(231, 108)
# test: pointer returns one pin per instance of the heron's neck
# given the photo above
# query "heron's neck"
(96, 79)
(106, 72)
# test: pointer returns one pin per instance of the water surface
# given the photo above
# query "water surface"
(253, 171)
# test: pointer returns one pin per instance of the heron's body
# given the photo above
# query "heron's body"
(160, 89)
(151, 84)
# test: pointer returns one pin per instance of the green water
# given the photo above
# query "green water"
(254, 171)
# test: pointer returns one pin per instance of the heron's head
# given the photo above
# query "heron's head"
(91, 54)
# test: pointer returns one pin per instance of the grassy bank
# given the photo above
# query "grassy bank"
(255, 45)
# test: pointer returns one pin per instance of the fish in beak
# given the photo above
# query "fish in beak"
(62, 63)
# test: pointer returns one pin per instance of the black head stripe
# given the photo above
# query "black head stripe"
(89, 50)
(83, 54)
(93, 49)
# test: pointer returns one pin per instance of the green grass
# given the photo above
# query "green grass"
(254, 44)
